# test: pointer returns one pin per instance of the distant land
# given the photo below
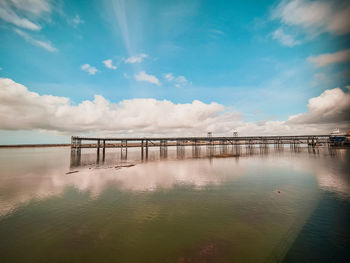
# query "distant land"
(34, 145)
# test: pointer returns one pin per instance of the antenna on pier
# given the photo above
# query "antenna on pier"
(235, 133)
(210, 134)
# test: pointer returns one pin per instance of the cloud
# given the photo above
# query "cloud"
(89, 69)
(169, 76)
(11, 17)
(331, 58)
(332, 106)
(143, 76)
(35, 7)
(178, 81)
(216, 31)
(119, 7)
(108, 63)
(315, 16)
(284, 39)
(340, 22)
(76, 21)
(19, 12)
(34, 111)
(136, 59)
(43, 44)
(21, 109)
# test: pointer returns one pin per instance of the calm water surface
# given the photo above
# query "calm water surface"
(267, 205)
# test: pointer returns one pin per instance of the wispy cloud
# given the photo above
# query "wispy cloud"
(89, 69)
(284, 39)
(77, 21)
(178, 81)
(43, 44)
(109, 64)
(120, 11)
(330, 58)
(169, 76)
(21, 13)
(136, 59)
(143, 76)
(35, 7)
(11, 17)
(217, 31)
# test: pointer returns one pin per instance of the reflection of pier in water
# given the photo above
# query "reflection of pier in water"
(201, 146)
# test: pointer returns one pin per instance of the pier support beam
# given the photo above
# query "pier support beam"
(180, 149)
(141, 149)
(103, 150)
(163, 147)
(195, 149)
(123, 149)
(210, 147)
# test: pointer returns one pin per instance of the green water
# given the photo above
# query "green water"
(254, 208)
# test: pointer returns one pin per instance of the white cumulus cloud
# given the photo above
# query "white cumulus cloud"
(21, 109)
(136, 59)
(332, 106)
(330, 58)
(89, 69)
(109, 64)
(143, 76)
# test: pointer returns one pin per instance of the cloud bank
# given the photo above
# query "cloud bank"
(21, 109)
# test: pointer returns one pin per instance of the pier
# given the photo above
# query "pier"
(144, 143)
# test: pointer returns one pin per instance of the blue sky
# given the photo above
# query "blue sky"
(251, 57)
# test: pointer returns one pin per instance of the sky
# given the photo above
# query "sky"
(162, 68)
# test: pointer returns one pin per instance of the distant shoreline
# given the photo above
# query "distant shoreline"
(34, 145)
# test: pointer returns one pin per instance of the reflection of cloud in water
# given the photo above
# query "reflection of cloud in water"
(333, 182)
(40, 178)
(142, 177)
(331, 173)
(147, 177)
